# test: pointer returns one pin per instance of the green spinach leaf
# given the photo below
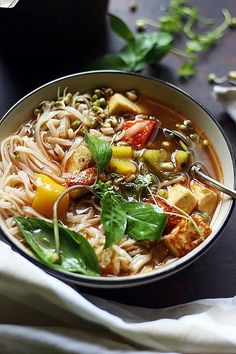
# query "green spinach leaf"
(113, 218)
(144, 221)
(76, 254)
(101, 151)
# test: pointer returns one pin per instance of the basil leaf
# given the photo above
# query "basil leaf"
(101, 151)
(113, 218)
(144, 221)
(110, 61)
(128, 56)
(151, 42)
(162, 46)
(76, 254)
(121, 29)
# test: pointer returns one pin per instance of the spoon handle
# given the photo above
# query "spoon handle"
(212, 182)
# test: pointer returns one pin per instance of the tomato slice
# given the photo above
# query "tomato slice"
(138, 132)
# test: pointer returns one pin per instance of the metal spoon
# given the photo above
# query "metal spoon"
(197, 170)
(168, 133)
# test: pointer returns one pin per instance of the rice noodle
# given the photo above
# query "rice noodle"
(44, 145)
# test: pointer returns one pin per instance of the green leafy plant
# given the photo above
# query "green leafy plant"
(140, 221)
(76, 253)
(142, 49)
(101, 151)
(113, 218)
(144, 221)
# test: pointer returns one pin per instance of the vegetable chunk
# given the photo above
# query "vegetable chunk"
(154, 158)
(139, 132)
(122, 152)
(184, 238)
(119, 104)
(181, 197)
(122, 166)
(84, 178)
(121, 161)
(206, 197)
(46, 194)
(79, 160)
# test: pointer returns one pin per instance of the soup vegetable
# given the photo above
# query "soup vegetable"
(93, 184)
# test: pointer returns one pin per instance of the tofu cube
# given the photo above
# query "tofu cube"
(181, 197)
(79, 160)
(206, 198)
(119, 104)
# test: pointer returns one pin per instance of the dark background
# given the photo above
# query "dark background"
(40, 41)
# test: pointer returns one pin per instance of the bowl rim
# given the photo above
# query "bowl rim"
(138, 279)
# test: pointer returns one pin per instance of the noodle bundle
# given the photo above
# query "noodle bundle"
(145, 167)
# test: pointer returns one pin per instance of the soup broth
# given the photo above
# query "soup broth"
(92, 183)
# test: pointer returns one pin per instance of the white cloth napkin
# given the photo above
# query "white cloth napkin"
(41, 314)
(8, 3)
(227, 97)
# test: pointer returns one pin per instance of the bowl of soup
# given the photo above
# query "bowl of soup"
(96, 181)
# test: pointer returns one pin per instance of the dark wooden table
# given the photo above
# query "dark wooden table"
(34, 51)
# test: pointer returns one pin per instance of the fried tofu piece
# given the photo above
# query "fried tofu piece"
(206, 198)
(84, 178)
(79, 160)
(184, 238)
(119, 104)
(181, 197)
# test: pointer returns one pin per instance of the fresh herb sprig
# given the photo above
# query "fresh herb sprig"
(148, 48)
(182, 18)
(138, 220)
(198, 43)
(140, 49)
(76, 253)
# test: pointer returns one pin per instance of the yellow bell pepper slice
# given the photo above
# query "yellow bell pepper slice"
(122, 152)
(46, 194)
(122, 166)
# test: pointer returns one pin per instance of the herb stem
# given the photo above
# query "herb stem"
(226, 23)
(181, 53)
(151, 22)
(55, 216)
(183, 214)
(187, 28)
